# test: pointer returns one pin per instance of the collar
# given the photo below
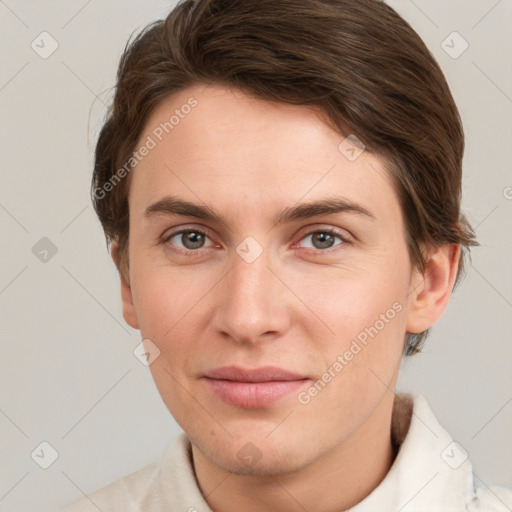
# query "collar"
(430, 472)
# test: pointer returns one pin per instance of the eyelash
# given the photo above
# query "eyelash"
(198, 252)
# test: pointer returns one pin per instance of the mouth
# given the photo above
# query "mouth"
(253, 388)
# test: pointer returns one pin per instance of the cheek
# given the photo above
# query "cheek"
(355, 301)
(369, 338)
(163, 298)
(357, 366)
(171, 309)
(365, 312)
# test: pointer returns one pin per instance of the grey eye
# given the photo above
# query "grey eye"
(188, 239)
(322, 239)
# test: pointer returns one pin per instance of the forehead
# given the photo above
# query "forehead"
(215, 144)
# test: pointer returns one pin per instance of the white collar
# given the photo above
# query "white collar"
(430, 473)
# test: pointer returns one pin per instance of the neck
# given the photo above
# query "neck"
(336, 480)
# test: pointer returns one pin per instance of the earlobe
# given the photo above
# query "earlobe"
(129, 312)
(431, 290)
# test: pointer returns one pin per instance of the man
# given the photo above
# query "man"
(280, 182)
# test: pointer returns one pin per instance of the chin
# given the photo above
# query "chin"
(259, 455)
(271, 463)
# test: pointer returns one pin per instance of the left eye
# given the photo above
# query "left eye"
(323, 239)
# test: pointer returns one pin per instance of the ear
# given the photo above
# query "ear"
(129, 312)
(431, 290)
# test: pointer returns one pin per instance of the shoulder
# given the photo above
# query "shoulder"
(165, 484)
(125, 493)
(491, 499)
(427, 449)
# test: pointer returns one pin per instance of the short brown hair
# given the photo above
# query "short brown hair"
(358, 61)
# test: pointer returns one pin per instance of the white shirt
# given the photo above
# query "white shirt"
(431, 473)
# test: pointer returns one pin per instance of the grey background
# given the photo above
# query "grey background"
(68, 374)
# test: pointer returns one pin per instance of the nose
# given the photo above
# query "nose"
(252, 302)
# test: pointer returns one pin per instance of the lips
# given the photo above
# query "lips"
(263, 374)
(253, 388)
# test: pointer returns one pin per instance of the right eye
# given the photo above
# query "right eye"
(190, 239)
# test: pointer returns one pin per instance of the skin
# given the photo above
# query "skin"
(296, 306)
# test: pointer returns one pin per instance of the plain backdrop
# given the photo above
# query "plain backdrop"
(68, 373)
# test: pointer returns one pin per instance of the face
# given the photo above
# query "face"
(280, 326)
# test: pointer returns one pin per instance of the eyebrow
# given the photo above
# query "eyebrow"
(171, 205)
